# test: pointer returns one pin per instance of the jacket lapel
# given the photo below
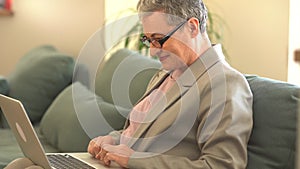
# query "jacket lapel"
(182, 85)
(154, 83)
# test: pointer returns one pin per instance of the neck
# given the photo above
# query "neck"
(203, 44)
(176, 73)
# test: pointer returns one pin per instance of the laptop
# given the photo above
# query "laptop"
(31, 147)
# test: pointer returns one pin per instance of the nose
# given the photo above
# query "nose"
(155, 51)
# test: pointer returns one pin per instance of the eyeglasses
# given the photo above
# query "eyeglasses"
(158, 43)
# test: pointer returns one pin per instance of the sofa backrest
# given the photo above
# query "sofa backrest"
(38, 77)
(123, 77)
(124, 74)
(272, 144)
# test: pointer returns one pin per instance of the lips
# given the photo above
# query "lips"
(162, 58)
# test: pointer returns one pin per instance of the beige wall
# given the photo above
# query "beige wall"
(257, 35)
(294, 43)
(66, 24)
(114, 7)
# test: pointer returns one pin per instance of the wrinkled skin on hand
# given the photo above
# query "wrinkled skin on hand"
(104, 149)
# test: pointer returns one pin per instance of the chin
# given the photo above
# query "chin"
(167, 68)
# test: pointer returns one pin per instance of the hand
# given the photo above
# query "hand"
(95, 146)
(120, 154)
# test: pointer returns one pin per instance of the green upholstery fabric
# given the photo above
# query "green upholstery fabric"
(273, 139)
(3, 86)
(3, 90)
(126, 77)
(10, 150)
(39, 77)
(61, 126)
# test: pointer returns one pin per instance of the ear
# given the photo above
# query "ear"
(193, 24)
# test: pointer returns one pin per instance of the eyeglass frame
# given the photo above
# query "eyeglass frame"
(147, 41)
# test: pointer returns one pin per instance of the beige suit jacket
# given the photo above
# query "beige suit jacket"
(204, 121)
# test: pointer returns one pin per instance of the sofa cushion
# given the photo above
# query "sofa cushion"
(3, 86)
(273, 139)
(3, 90)
(123, 78)
(73, 118)
(39, 77)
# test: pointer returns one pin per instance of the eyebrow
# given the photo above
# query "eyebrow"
(156, 34)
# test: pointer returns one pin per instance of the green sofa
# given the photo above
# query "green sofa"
(45, 80)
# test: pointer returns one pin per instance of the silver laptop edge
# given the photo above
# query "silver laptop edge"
(20, 124)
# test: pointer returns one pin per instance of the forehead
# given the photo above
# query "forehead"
(155, 22)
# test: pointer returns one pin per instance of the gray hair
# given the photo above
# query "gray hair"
(184, 9)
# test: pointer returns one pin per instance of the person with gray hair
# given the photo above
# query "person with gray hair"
(196, 111)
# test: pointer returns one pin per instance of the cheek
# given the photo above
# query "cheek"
(153, 51)
(184, 51)
(177, 58)
(179, 51)
(179, 43)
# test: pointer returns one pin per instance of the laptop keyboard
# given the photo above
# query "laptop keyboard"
(59, 161)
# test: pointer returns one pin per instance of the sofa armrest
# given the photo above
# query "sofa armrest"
(272, 144)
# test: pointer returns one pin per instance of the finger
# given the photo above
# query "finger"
(108, 158)
(96, 149)
(121, 150)
(101, 154)
(91, 147)
(106, 161)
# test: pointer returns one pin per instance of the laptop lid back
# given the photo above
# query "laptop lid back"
(21, 126)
